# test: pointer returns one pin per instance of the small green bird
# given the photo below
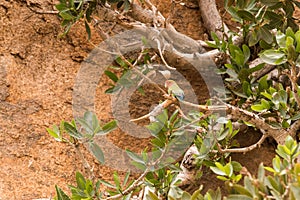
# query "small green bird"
(174, 89)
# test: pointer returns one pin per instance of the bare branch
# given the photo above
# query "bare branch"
(156, 111)
(244, 149)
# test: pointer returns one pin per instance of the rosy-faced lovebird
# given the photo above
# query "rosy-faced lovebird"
(174, 89)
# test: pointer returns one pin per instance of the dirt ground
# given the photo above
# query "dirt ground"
(37, 74)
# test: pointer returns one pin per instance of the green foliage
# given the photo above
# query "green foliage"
(124, 76)
(259, 17)
(283, 184)
(72, 11)
(269, 32)
(226, 172)
(89, 128)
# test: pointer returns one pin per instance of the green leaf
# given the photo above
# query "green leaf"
(269, 2)
(96, 151)
(186, 196)
(241, 190)
(126, 178)
(88, 29)
(228, 169)
(289, 9)
(218, 171)
(297, 38)
(253, 38)
(60, 195)
(107, 184)
(212, 45)
(265, 34)
(246, 15)
(135, 157)
(72, 131)
(151, 196)
(258, 108)
(108, 127)
(289, 41)
(61, 6)
(270, 169)
(111, 75)
(117, 180)
(223, 178)
(54, 132)
(280, 38)
(267, 95)
(90, 123)
(246, 52)
(263, 83)
(237, 167)
(66, 15)
(273, 57)
(215, 38)
(80, 180)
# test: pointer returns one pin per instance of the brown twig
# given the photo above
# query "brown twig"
(244, 149)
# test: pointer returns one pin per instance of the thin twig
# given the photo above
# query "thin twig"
(156, 110)
(143, 75)
(161, 55)
(244, 149)
(205, 107)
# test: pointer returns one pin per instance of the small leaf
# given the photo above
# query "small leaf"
(269, 2)
(280, 38)
(258, 108)
(110, 126)
(60, 195)
(117, 180)
(66, 15)
(273, 57)
(88, 29)
(72, 131)
(61, 7)
(54, 132)
(253, 38)
(246, 15)
(107, 184)
(80, 180)
(246, 52)
(236, 166)
(135, 157)
(111, 75)
(265, 34)
(218, 171)
(151, 196)
(215, 38)
(96, 151)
